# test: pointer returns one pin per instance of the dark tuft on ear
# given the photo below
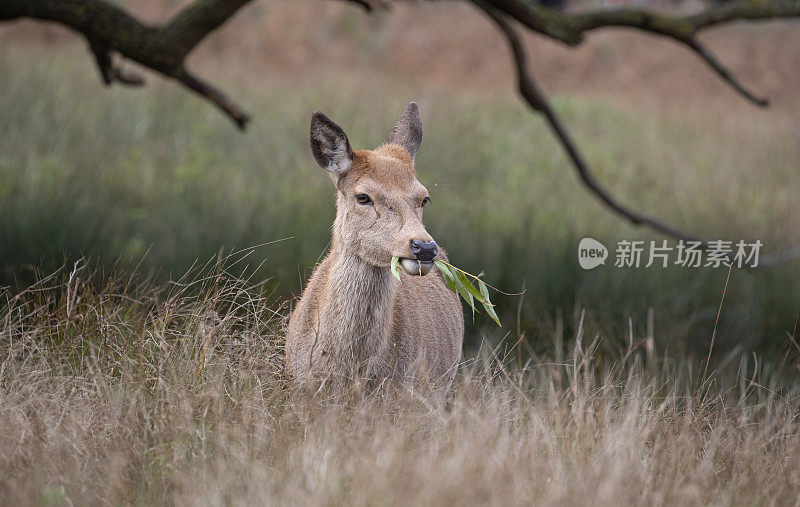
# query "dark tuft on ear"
(329, 145)
(407, 132)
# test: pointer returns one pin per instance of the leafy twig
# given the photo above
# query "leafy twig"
(457, 281)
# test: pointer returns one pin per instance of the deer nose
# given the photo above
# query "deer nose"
(423, 251)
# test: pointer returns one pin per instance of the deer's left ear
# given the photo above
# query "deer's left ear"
(330, 146)
(407, 132)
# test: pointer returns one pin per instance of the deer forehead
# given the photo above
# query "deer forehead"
(388, 171)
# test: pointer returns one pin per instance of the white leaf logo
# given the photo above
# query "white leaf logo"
(591, 253)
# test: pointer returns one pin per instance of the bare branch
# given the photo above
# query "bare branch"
(111, 72)
(215, 96)
(364, 4)
(724, 73)
(537, 101)
(534, 97)
(570, 28)
(196, 21)
(109, 29)
(745, 10)
(550, 22)
(103, 24)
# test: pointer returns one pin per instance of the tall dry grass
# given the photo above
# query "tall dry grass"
(115, 390)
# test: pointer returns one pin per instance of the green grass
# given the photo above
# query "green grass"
(156, 176)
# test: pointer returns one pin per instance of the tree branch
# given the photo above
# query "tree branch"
(110, 29)
(111, 72)
(366, 4)
(724, 73)
(570, 28)
(215, 96)
(537, 101)
(194, 22)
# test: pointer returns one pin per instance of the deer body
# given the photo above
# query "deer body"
(354, 319)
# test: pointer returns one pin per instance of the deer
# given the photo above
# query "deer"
(355, 321)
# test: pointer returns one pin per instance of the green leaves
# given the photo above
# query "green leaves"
(487, 305)
(393, 268)
(449, 277)
(457, 281)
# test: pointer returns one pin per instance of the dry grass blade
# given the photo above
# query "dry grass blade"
(102, 404)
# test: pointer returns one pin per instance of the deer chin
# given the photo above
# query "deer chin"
(416, 268)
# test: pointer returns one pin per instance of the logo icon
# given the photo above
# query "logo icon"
(591, 253)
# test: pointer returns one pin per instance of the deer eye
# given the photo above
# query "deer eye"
(363, 199)
(426, 201)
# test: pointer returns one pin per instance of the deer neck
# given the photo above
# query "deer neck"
(356, 315)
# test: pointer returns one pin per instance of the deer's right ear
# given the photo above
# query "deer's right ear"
(330, 146)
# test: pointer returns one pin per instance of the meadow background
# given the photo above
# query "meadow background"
(156, 181)
(154, 177)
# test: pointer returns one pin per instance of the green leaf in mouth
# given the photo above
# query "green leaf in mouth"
(393, 268)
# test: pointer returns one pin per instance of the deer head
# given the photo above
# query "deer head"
(380, 201)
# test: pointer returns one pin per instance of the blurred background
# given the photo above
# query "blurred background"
(157, 179)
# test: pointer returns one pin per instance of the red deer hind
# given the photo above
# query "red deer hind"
(355, 320)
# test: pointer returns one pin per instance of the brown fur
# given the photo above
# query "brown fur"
(354, 318)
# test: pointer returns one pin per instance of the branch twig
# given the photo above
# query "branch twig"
(724, 73)
(192, 24)
(110, 72)
(570, 28)
(215, 96)
(530, 92)
(537, 101)
(109, 29)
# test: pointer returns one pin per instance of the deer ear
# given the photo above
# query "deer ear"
(330, 146)
(407, 132)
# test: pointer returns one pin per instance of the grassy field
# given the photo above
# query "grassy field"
(128, 216)
(115, 392)
(157, 178)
